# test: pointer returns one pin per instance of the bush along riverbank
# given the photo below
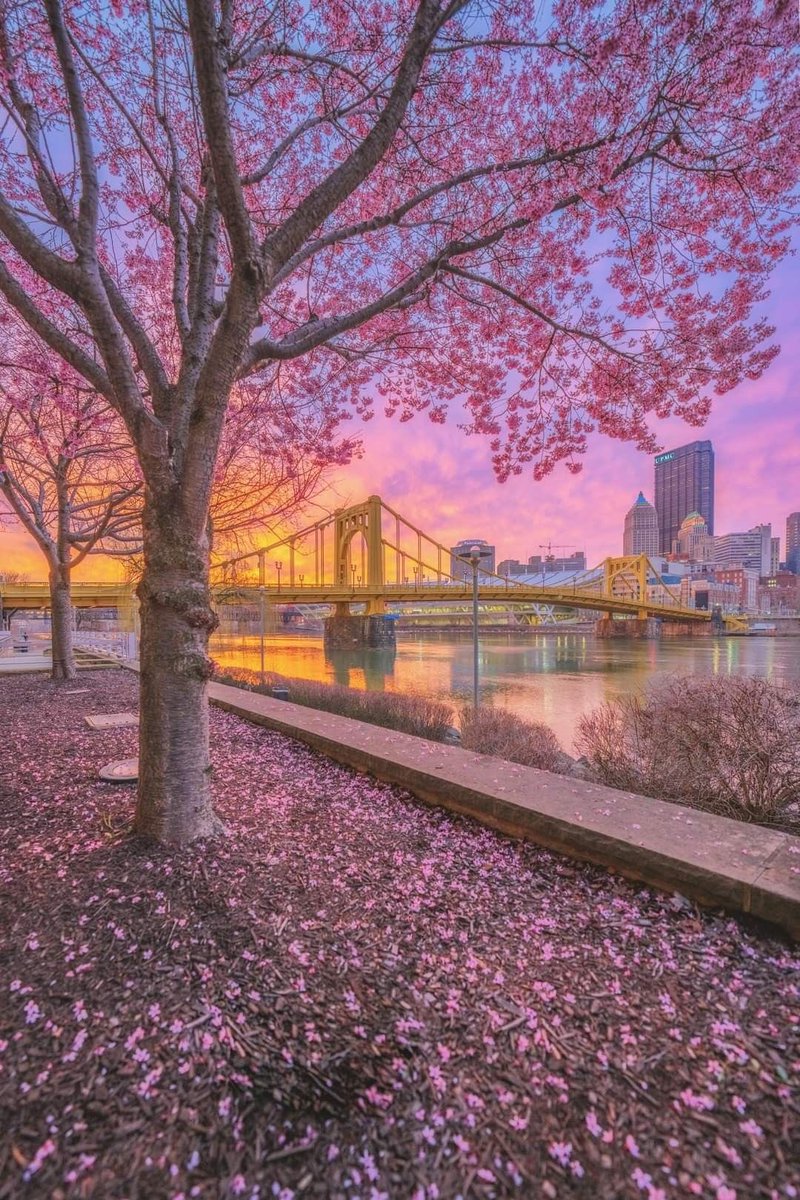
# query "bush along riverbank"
(726, 745)
(408, 713)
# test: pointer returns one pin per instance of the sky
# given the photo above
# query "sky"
(442, 481)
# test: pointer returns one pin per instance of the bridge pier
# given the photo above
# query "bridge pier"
(639, 628)
(346, 631)
(688, 629)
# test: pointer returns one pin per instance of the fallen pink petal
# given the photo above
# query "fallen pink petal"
(160, 1030)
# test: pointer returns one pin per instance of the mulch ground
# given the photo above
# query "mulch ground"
(355, 996)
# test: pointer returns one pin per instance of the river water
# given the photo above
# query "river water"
(553, 678)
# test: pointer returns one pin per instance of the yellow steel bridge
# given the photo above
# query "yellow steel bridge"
(34, 596)
(370, 555)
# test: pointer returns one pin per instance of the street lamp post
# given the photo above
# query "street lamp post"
(278, 567)
(262, 596)
(475, 556)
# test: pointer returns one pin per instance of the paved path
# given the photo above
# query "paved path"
(716, 861)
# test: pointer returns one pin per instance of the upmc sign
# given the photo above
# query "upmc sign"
(661, 458)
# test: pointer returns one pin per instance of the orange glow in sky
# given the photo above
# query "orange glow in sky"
(441, 480)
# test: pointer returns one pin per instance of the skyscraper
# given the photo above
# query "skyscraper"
(684, 483)
(694, 543)
(793, 542)
(640, 535)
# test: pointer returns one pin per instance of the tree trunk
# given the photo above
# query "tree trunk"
(61, 623)
(174, 801)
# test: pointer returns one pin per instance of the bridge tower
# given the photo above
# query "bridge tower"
(626, 577)
(363, 519)
(345, 630)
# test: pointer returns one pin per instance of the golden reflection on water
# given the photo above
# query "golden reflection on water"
(553, 678)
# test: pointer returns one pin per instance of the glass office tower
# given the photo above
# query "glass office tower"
(684, 483)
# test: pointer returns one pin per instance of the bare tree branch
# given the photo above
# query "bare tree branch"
(344, 179)
(90, 191)
(211, 67)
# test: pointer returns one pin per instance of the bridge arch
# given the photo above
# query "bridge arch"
(364, 520)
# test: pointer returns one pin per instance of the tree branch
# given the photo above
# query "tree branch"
(88, 205)
(211, 55)
(52, 335)
(396, 215)
(344, 179)
(317, 332)
(569, 330)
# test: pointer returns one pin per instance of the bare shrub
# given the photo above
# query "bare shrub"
(505, 735)
(727, 745)
(408, 713)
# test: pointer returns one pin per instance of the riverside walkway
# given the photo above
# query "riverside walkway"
(716, 861)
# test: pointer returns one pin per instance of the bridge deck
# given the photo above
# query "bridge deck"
(32, 596)
(520, 594)
(36, 595)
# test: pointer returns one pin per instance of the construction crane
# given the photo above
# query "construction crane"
(550, 547)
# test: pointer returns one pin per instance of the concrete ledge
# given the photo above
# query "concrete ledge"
(25, 664)
(716, 861)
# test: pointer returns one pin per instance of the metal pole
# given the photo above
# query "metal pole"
(263, 597)
(475, 682)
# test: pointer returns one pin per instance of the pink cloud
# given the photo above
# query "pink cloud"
(442, 480)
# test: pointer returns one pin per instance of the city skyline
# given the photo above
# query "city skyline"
(755, 431)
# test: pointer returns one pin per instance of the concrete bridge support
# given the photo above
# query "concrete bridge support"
(650, 627)
(692, 629)
(639, 628)
(344, 631)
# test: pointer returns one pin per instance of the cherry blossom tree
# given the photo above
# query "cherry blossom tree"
(68, 477)
(565, 215)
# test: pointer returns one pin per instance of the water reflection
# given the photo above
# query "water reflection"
(551, 678)
(366, 669)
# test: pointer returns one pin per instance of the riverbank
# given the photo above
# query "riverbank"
(550, 679)
(356, 996)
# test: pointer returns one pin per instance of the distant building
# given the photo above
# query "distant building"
(746, 580)
(751, 549)
(693, 544)
(793, 542)
(780, 594)
(511, 566)
(775, 556)
(640, 535)
(550, 564)
(463, 549)
(708, 593)
(684, 483)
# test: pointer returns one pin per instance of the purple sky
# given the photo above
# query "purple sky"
(441, 480)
